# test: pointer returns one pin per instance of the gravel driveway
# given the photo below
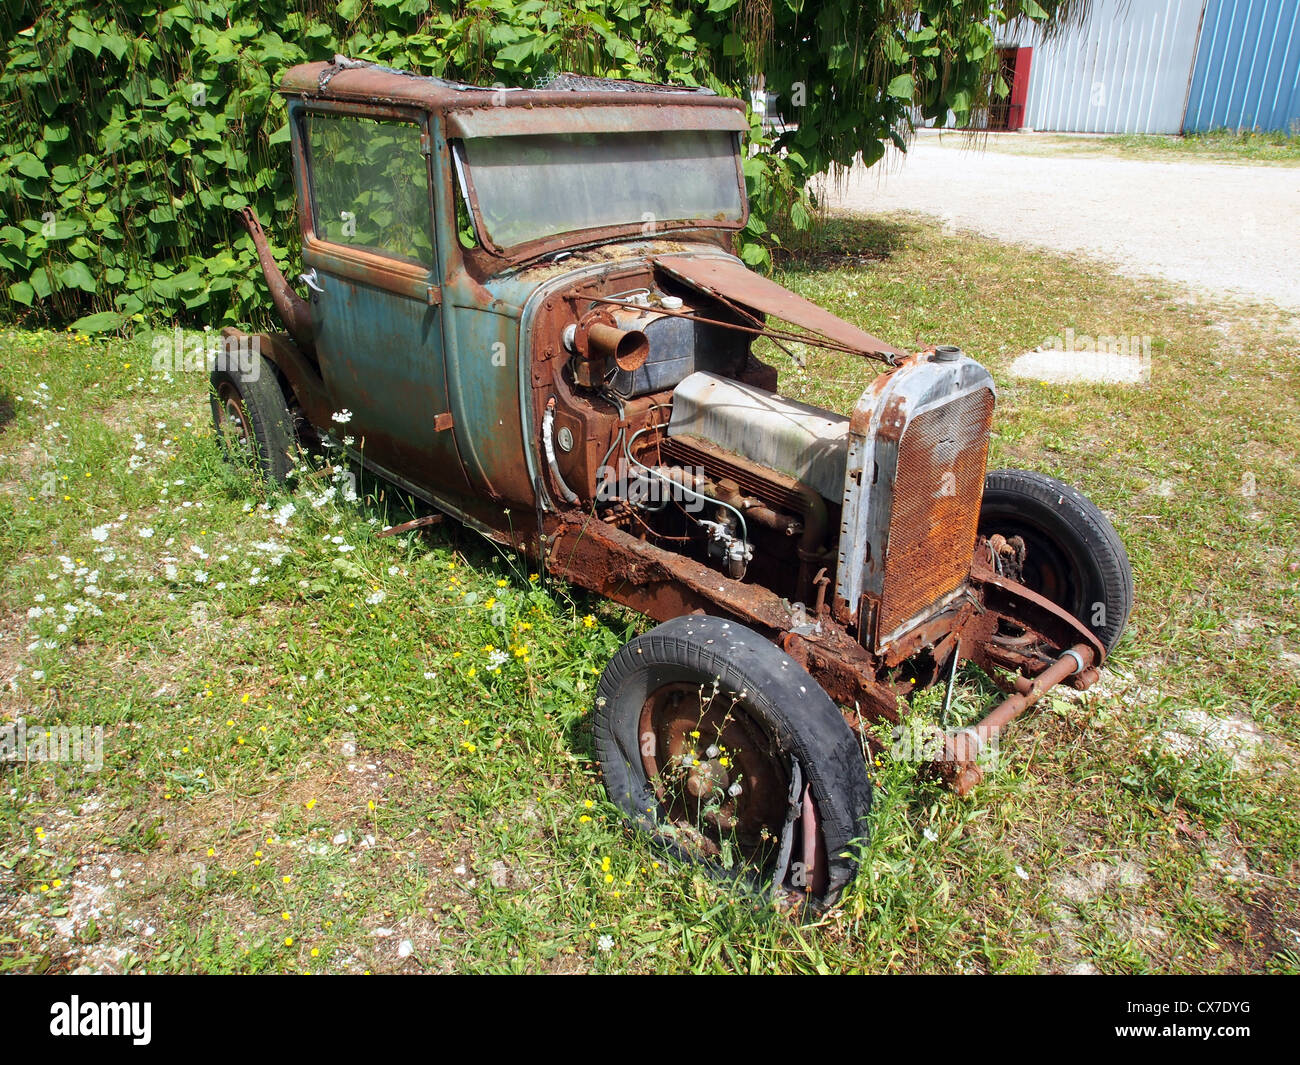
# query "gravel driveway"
(1224, 228)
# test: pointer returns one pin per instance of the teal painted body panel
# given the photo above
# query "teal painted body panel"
(384, 352)
(483, 374)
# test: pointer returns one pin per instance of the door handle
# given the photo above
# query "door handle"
(309, 279)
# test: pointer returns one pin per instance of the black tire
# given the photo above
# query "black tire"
(733, 683)
(1073, 556)
(252, 420)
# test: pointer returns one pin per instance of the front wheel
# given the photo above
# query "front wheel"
(1071, 553)
(729, 754)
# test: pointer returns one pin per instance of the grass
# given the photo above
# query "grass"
(1220, 145)
(1244, 145)
(311, 765)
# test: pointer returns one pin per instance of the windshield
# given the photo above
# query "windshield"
(538, 186)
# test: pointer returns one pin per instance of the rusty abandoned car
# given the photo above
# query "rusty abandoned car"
(528, 301)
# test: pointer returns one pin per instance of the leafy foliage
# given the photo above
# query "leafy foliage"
(132, 129)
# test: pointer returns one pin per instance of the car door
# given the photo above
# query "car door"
(372, 271)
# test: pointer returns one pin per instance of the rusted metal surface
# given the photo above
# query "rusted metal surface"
(920, 384)
(1043, 622)
(488, 261)
(373, 84)
(294, 311)
(960, 764)
(629, 348)
(730, 278)
(300, 372)
(814, 846)
(661, 584)
(756, 489)
(848, 673)
(739, 327)
(415, 523)
(778, 490)
(715, 771)
(515, 117)
(963, 621)
(937, 491)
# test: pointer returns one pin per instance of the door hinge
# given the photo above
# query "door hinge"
(433, 296)
(426, 144)
(443, 422)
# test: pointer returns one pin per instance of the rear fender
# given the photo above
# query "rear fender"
(299, 371)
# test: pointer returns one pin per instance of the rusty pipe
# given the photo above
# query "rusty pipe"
(729, 492)
(812, 544)
(960, 762)
(629, 348)
(813, 541)
(812, 528)
(294, 311)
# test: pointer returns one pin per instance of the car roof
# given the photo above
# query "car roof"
(355, 81)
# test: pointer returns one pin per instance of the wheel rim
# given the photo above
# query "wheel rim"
(722, 784)
(233, 418)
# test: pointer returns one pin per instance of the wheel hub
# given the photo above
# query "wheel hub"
(704, 779)
(719, 779)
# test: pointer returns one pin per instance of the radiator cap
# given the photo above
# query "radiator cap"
(947, 353)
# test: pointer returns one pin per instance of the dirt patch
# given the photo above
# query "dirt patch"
(1195, 731)
(1089, 882)
(12, 628)
(1077, 889)
(1084, 367)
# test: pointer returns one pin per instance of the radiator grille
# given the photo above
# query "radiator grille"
(937, 493)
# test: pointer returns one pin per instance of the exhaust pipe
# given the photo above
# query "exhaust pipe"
(629, 348)
(294, 311)
(595, 342)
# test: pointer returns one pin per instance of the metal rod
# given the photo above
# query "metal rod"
(952, 680)
(960, 762)
(774, 334)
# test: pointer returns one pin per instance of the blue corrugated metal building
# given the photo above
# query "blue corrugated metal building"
(1159, 66)
(1247, 73)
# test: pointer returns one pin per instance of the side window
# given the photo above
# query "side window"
(370, 186)
(465, 231)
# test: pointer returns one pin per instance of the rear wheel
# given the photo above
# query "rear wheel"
(252, 420)
(1071, 553)
(729, 754)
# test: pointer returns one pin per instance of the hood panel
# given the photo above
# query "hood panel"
(732, 280)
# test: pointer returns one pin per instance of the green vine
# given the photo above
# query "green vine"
(132, 129)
